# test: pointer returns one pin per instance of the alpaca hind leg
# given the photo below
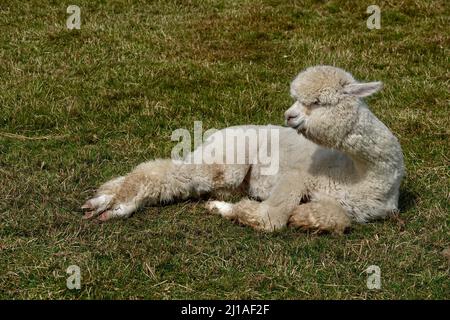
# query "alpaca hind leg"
(151, 182)
(160, 181)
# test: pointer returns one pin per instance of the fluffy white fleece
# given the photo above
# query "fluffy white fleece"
(337, 163)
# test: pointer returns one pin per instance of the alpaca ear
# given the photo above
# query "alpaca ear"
(363, 89)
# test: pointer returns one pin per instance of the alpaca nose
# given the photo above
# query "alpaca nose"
(294, 117)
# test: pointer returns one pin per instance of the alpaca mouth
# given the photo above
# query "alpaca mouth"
(299, 125)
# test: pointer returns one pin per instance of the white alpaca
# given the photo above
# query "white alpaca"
(337, 163)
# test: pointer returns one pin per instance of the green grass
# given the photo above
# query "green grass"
(79, 107)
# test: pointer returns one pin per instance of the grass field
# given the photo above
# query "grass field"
(79, 107)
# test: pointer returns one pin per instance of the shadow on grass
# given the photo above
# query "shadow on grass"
(407, 199)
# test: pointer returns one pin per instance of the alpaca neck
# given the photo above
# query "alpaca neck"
(363, 138)
(372, 147)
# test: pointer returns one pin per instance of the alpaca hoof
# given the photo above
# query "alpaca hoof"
(225, 209)
(87, 206)
(299, 222)
(105, 216)
(312, 222)
(96, 205)
(88, 215)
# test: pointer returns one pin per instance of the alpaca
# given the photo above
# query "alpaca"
(338, 163)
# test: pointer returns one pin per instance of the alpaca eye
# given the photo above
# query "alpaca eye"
(315, 104)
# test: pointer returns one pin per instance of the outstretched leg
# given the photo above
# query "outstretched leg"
(269, 215)
(160, 181)
(320, 215)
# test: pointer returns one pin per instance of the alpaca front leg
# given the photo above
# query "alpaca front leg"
(258, 215)
(261, 215)
(269, 215)
(320, 215)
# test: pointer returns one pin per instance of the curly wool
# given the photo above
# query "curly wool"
(337, 154)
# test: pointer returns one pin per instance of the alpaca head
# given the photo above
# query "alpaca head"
(326, 102)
